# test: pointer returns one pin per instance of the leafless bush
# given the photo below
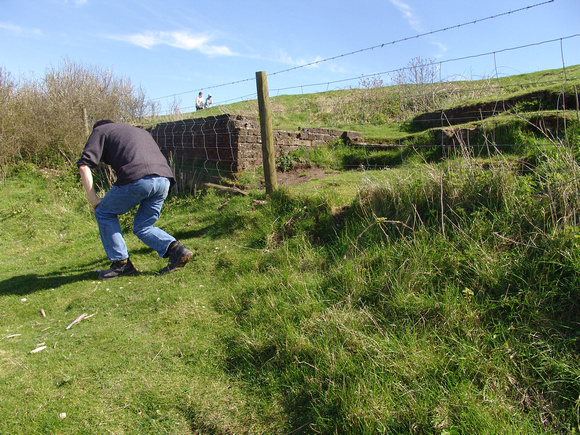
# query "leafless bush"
(174, 109)
(378, 103)
(370, 102)
(8, 134)
(418, 85)
(50, 116)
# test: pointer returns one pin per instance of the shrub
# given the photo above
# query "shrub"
(50, 118)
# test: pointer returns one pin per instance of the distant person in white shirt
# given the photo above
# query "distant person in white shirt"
(208, 102)
(199, 102)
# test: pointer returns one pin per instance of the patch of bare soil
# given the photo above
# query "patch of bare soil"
(301, 174)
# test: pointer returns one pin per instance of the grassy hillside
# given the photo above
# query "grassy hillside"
(440, 296)
(396, 114)
(432, 299)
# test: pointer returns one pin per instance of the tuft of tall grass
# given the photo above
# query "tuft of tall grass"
(445, 301)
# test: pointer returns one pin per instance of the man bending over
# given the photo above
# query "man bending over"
(143, 179)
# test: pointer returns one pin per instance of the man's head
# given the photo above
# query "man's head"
(102, 122)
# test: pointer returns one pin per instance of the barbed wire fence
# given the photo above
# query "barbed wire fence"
(175, 104)
(419, 100)
(222, 141)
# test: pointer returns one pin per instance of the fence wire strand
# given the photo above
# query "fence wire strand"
(211, 144)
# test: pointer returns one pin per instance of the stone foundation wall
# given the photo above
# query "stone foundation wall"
(232, 143)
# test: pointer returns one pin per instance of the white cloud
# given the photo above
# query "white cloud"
(11, 27)
(17, 30)
(75, 2)
(442, 49)
(284, 57)
(408, 14)
(178, 39)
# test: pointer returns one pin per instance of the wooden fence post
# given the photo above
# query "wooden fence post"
(268, 153)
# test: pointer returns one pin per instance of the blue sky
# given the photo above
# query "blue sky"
(175, 48)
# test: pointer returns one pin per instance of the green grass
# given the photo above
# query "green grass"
(432, 299)
(148, 359)
(439, 296)
(384, 115)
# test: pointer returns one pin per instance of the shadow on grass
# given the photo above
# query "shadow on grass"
(222, 227)
(28, 283)
(33, 282)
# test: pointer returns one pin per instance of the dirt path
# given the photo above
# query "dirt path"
(301, 175)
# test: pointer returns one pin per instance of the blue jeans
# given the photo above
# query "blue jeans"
(149, 193)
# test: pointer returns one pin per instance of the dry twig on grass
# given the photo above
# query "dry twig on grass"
(78, 319)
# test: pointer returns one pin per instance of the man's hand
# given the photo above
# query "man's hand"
(96, 204)
(87, 180)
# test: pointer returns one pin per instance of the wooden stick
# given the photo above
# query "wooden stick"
(225, 189)
(77, 320)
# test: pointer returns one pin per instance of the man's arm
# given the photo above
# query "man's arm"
(87, 180)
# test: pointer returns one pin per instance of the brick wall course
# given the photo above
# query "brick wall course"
(233, 143)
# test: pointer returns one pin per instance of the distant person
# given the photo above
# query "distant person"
(143, 179)
(208, 102)
(199, 101)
